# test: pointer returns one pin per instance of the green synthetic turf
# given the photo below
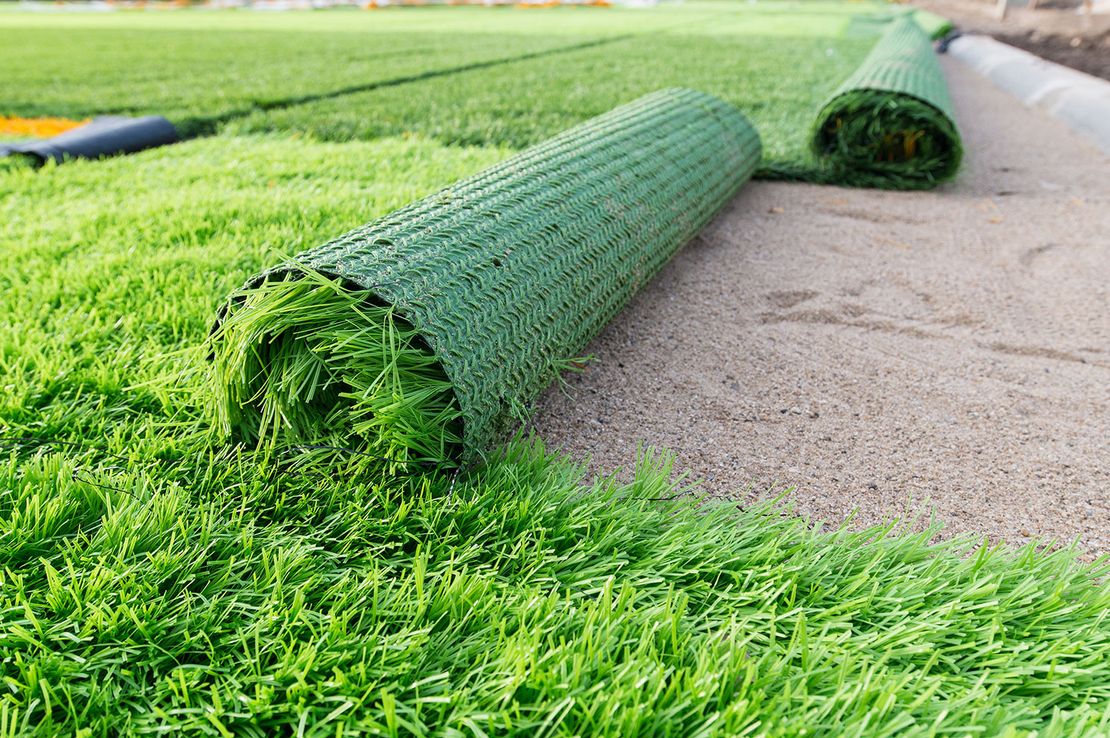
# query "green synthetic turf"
(157, 581)
(776, 61)
(235, 599)
(505, 276)
(349, 75)
(304, 360)
(532, 100)
(154, 581)
(199, 67)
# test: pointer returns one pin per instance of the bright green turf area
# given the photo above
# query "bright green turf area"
(531, 100)
(776, 61)
(155, 580)
(211, 79)
(194, 64)
(231, 599)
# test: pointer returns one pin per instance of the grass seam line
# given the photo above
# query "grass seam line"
(209, 125)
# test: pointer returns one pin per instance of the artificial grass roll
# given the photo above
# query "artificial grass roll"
(891, 123)
(934, 26)
(423, 335)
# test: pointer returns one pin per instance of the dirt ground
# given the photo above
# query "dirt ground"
(1053, 30)
(890, 353)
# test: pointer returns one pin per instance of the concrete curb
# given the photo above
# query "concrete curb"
(1079, 100)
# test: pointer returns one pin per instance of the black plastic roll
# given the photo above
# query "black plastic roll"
(105, 136)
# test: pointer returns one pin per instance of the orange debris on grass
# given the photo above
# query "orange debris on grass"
(37, 127)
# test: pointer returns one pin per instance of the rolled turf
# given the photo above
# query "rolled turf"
(935, 26)
(421, 336)
(891, 123)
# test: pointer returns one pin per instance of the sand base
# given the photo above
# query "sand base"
(889, 353)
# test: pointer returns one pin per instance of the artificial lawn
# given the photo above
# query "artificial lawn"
(532, 100)
(155, 579)
(231, 597)
(199, 76)
(775, 61)
(195, 65)
(892, 122)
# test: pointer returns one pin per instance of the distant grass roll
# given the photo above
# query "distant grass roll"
(934, 26)
(423, 335)
(891, 123)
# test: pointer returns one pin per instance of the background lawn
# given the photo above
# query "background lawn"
(350, 74)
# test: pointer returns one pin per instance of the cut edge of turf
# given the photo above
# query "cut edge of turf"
(869, 136)
(303, 359)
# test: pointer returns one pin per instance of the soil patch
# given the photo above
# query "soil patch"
(1055, 31)
(1090, 54)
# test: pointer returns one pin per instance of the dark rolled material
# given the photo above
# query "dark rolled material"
(104, 136)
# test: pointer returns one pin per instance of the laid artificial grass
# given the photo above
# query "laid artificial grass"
(180, 587)
(226, 71)
(199, 67)
(222, 596)
(13, 162)
(530, 101)
(203, 77)
(154, 580)
(891, 123)
(776, 67)
(411, 71)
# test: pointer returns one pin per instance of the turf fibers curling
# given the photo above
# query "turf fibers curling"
(891, 123)
(423, 335)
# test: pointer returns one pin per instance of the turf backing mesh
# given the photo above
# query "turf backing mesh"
(502, 278)
(891, 123)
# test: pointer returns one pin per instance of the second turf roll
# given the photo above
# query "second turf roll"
(891, 123)
(422, 335)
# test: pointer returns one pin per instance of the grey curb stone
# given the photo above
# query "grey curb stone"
(1081, 101)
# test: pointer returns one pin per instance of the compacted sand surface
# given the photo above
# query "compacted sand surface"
(885, 353)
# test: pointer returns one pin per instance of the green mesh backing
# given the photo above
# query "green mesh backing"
(902, 61)
(512, 271)
(900, 85)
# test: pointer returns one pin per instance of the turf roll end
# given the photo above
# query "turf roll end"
(303, 360)
(891, 123)
(874, 135)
